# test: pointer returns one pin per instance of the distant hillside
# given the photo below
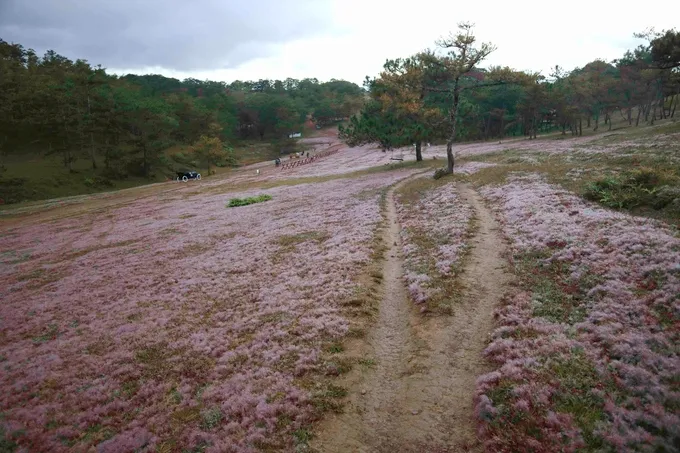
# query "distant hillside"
(67, 127)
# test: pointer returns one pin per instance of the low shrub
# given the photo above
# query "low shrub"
(97, 182)
(440, 173)
(180, 157)
(114, 172)
(639, 188)
(234, 202)
(14, 190)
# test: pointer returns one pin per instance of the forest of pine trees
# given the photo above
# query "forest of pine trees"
(53, 106)
(448, 96)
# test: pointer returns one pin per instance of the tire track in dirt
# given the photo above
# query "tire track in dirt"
(418, 398)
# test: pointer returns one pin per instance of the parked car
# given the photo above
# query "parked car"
(184, 176)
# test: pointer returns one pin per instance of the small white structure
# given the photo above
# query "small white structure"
(258, 171)
(295, 135)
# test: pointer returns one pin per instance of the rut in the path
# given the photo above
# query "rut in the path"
(419, 396)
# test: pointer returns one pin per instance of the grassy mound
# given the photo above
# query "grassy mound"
(234, 202)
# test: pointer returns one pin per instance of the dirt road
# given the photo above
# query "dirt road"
(418, 397)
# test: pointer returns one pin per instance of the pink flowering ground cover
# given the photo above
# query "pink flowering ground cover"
(435, 223)
(587, 349)
(542, 145)
(346, 160)
(619, 142)
(174, 323)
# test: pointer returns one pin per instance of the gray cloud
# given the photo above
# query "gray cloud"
(182, 35)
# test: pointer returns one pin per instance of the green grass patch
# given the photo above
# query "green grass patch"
(555, 296)
(552, 303)
(335, 348)
(367, 363)
(577, 377)
(7, 441)
(337, 366)
(649, 188)
(301, 437)
(328, 398)
(234, 202)
(211, 418)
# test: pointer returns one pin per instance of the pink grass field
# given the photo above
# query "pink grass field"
(173, 322)
(600, 369)
(349, 160)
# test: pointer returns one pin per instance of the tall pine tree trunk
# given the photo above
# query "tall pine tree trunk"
(670, 106)
(89, 117)
(94, 162)
(107, 156)
(419, 154)
(648, 109)
(454, 120)
(637, 120)
(146, 161)
(68, 160)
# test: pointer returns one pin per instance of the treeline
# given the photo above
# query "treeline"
(123, 125)
(437, 95)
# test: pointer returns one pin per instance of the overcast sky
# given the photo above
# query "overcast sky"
(344, 39)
